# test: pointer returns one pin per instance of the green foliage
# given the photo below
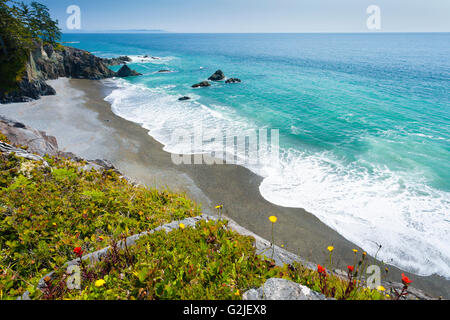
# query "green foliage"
(47, 211)
(206, 262)
(64, 174)
(36, 18)
(4, 138)
(20, 27)
(15, 43)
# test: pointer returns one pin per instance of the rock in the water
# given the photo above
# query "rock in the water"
(202, 84)
(184, 98)
(233, 80)
(282, 289)
(125, 71)
(164, 71)
(117, 61)
(217, 76)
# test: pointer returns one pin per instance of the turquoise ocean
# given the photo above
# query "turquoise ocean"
(364, 122)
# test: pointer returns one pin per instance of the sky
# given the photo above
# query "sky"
(248, 16)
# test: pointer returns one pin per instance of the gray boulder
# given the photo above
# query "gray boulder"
(282, 289)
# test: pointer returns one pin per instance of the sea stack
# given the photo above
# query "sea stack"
(125, 71)
(217, 76)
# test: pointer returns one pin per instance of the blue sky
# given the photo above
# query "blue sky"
(256, 15)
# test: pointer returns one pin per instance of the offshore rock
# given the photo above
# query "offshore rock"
(125, 71)
(217, 76)
(202, 84)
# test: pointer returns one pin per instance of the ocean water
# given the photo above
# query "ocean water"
(364, 122)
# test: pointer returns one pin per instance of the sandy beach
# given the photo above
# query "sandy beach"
(84, 124)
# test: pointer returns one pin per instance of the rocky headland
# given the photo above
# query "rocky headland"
(46, 62)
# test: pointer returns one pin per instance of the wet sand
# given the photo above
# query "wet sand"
(84, 124)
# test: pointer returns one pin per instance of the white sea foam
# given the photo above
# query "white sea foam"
(150, 59)
(365, 204)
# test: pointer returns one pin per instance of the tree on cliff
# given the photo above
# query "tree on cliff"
(15, 42)
(20, 27)
(36, 18)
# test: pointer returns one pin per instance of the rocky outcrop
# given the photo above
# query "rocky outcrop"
(117, 61)
(202, 84)
(38, 142)
(217, 76)
(27, 91)
(47, 63)
(233, 80)
(125, 71)
(282, 289)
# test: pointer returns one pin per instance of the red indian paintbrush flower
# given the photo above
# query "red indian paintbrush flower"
(350, 268)
(78, 251)
(320, 269)
(406, 281)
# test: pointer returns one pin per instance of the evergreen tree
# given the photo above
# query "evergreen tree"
(20, 26)
(15, 42)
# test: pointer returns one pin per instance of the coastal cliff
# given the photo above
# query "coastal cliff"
(47, 62)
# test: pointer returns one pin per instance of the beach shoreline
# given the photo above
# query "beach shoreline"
(83, 123)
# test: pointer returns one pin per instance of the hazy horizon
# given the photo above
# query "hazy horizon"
(255, 16)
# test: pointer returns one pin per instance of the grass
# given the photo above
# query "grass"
(48, 211)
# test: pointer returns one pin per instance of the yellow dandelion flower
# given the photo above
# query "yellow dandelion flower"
(237, 293)
(273, 219)
(355, 251)
(381, 288)
(219, 207)
(182, 226)
(330, 248)
(100, 283)
(140, 213)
